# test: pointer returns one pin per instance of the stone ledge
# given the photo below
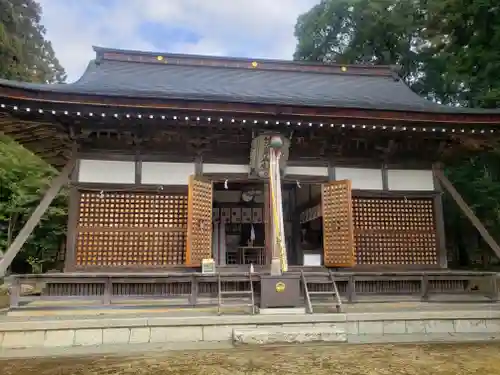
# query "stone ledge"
(288, 335)
(48, 325)
(397, 331)
(247, 319)
(111, 322)
(283, 311)
(422, 338)
(424, 326)
(131, 349)
(425, 315)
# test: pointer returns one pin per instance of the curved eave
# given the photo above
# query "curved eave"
(49, 140)
(45, 98)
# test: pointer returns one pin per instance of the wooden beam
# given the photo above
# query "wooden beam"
(36, 216)
(438, 173)
(439, 220)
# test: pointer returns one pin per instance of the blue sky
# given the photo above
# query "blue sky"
(257, 28)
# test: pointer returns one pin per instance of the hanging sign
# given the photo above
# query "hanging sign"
(207, 266)
(259, 155)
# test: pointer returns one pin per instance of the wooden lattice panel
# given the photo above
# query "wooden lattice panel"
(338, 237)
(199, 232)
(132, 210)
(395, 231)
(129, 229)
(130, 248)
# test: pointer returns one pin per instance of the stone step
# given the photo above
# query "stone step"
(288, 335)
(283, 311)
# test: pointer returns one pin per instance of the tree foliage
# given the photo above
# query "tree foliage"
(26, 55)
(23, 180)
(448, 51)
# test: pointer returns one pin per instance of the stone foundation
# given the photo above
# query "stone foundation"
(390, 327)
(288, 335)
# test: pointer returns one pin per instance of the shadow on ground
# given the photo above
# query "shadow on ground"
(449, 359)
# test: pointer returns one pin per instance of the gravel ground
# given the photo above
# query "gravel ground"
(449, 359)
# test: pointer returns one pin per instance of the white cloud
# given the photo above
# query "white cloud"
(260, 28)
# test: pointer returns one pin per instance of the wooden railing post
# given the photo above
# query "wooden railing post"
(15, 292)
(193, 298)
(108, 291)
(494, 287)
(424, 288)
(351, 289)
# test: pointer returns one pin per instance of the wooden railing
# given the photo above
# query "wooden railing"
(196, 289)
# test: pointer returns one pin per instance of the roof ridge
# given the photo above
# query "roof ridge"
(241, 62)
(349, 72)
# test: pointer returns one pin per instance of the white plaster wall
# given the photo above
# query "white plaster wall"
(307, 171)
(159, 173)
(404, 180)
(361, 178)
(106, 171)
(225, 168)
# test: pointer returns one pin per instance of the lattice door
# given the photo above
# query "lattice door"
(338, 231)
(199, 233)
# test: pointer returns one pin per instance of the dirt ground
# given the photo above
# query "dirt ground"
(450, 359)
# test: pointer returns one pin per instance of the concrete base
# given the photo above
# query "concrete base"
(452, 323)
(275, 267)
(284, 311)
(288, 335)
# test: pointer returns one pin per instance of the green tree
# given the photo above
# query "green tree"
(23, 179)
(465, 41)
(448, 50)
(25, 55)
(362, 31)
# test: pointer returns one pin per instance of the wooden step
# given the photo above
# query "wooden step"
(237, 304)
(330, 293)
(235, 293)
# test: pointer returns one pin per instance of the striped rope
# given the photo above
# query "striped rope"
(283, 260)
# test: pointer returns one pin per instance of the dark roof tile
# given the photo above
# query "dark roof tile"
(280, 87)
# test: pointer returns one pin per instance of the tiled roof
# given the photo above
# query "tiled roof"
(115, 77)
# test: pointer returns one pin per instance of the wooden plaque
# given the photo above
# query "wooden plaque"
(338, 229)
(199, 226)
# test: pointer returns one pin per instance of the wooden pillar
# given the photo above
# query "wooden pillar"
(267, 223)
(295, 242)
(71, 231)
(385, 177)
(439, 221)
(36, 216)
(198, 165)
(331, 171)
(138, 167)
